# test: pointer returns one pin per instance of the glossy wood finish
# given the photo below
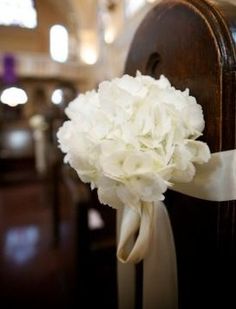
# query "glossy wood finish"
(95, 247)
(193, 44)
(36, 274)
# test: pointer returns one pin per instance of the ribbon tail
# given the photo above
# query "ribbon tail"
(125, 275)
(133, 222)
(131, 249)
(160, 271)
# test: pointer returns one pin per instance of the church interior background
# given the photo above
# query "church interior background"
(57, 245)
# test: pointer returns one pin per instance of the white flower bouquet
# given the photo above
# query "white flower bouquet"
(133, 138)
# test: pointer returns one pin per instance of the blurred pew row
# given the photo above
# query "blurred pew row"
(29, 153)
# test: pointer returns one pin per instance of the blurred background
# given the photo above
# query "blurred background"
(57, 243)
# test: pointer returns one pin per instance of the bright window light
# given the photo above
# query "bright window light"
(88, 54)
(14, 96)
(57, 96)
(21, 244)
(59, 43)
(234, 36)
(109, 35)
(18, 139)
(95, 220)
(89, 46)
(133, 6)
(20, 13)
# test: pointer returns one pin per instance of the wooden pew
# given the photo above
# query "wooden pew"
(193, 44)
(17, 160)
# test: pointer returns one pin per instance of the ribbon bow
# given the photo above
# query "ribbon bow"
(154, 242)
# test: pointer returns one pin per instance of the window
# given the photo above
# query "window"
(59, 43)
(88, 47)
(57, 96)
(20, 13)
(13, 96)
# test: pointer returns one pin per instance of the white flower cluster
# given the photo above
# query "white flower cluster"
(133, 138)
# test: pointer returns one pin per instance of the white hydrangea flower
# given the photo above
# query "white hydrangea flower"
(132, 138)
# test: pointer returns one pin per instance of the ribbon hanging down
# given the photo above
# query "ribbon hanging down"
(159, 265)
(213, 181)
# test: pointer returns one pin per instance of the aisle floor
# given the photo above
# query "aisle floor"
(33, 272)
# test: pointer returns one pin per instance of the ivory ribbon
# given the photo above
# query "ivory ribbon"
(214, 181)
(132, 223)
(160, 277)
